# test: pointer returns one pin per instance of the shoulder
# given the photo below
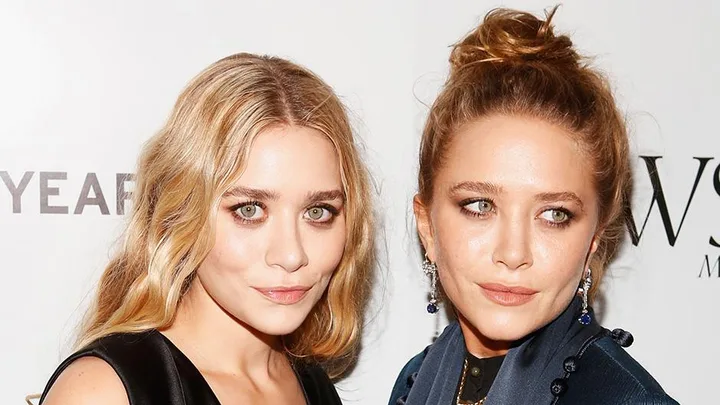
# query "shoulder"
(98, 373)
(406, 378)
(624, 367)
(606, 367)
(87, 380)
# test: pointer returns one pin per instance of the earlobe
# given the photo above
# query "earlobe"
(424, 227)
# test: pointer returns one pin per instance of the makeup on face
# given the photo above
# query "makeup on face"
(511, 223)
(284, 295)
(507, 295)
(280, 231)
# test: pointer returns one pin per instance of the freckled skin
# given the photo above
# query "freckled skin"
(530, 221)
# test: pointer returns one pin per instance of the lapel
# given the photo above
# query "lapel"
(316, 385)
(530, 369)
(438, 376)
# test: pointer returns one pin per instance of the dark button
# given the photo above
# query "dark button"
(411, 379)
(570, 364)
(558, 387)
(475, 371)
(622, 337)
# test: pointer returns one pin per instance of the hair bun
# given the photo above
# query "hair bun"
(515, 37)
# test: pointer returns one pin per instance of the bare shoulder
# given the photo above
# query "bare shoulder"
(88, 380)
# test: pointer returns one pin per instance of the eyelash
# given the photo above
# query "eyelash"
(559, 225)
(564, 224)
(328, 207)
(233, 211)
(331, 209)
(469, 201)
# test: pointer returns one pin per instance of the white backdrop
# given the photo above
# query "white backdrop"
(84, 83)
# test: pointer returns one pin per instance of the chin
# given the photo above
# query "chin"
(276, 327)
(277, 323)
(502, 326)
(505, 335)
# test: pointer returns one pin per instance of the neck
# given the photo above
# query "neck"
(479, 345)
(217, 342)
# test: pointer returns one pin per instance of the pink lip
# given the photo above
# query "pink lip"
(507, 296)
(284, 295)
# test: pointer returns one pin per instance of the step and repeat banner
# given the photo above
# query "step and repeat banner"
(84, 83)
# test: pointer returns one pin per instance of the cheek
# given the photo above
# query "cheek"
(235, 249)
(325, 248)
(560, 259)
(461, 244)
(561, 255)
(559, 285)
(461, 250)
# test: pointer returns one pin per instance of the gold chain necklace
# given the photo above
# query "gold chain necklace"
(462, 385)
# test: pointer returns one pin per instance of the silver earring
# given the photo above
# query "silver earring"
(584, 289)
(430, 270)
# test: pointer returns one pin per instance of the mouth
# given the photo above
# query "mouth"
(284, 295)
(507, 296)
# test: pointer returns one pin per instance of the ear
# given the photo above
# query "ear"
(594, 244)
(424, 227)
(593, 248)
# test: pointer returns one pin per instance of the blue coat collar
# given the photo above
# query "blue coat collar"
(527, 374)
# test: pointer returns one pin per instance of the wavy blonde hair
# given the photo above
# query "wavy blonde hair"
(182, 174)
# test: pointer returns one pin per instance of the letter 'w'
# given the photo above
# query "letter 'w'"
(659, 197)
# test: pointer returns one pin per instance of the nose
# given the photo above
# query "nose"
(513, 246)
(286, 249)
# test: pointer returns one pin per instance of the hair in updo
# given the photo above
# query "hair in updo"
(514, 64)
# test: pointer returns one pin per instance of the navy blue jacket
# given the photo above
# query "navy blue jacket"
(563, 363)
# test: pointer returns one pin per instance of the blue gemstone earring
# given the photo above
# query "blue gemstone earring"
(430, 270)
(585, 317)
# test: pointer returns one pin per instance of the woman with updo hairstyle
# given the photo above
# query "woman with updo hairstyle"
(247, 259)
(524, 185)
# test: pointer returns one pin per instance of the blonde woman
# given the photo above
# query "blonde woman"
(246, 261)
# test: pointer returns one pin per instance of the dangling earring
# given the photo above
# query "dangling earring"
(430, 270)
(585, 317)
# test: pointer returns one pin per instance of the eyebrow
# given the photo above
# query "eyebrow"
(329, 195)
(477, 187)
(258, 194)
(254, 193)
(482, 187)
(560, 196)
